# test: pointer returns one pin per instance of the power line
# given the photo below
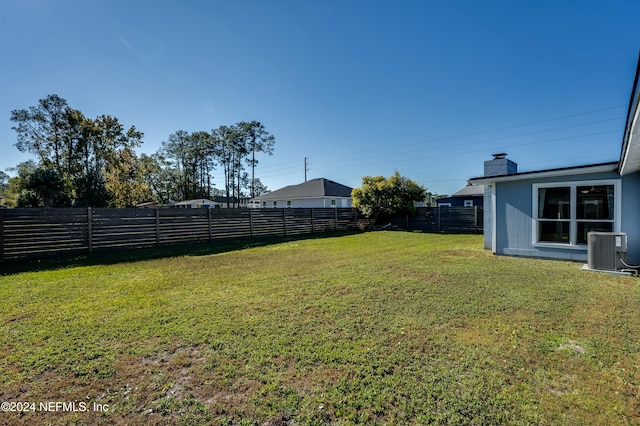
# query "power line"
(464, 135)
(413, 158)
(271, 166)
(355, 156)
(431, 148)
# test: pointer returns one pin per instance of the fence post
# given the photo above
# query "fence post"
(157, 227)
(1, 234)
(251, 222)
(312, 223)
(209, 219)
(284, 221)
(335, 218)
(355, 220)
(90, 229)
(475, 219)
(438, 216)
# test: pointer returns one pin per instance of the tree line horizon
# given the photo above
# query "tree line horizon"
(82, 162)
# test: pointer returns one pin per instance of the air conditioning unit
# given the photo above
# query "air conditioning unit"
(606, 250)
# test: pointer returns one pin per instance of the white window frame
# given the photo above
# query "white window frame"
(468, 203)
(573, 227)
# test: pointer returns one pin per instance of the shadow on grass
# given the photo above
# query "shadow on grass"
(110, 257)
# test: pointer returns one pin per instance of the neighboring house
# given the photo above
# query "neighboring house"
(313, 193)
(230, 202)
(548, 213)
(196, 204)
(148, 205)
(469, 196)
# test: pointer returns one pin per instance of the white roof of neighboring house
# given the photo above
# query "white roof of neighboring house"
(192, 202)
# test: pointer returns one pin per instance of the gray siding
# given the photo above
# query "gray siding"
(631, 215)
(513, 214)
(488, 217)
(514, 221)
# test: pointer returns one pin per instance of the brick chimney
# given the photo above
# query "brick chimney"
(499, 166)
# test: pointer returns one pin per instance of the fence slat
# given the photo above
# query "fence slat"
(1, 234)
(89, 230)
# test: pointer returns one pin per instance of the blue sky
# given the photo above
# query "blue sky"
(428, 88)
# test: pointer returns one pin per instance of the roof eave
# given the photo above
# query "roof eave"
(569, 171)
(630, 153)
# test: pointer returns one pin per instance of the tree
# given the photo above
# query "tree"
(230, 149)
(190, 156)
(259, 188)
(106, 142)
(257, 140)
(40, 129)
(203, 146)
(380, 198)
(159, 175)
(80, 150)
(125, 180)
(237, 145)
(15, 192)
(47, 188)
(4, 185)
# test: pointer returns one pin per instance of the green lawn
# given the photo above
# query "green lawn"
(374, 328)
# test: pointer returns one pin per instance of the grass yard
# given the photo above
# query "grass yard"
(374, 328)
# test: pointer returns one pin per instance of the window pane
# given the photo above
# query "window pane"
(585, 227)
(554, 203)
(595, 202)
(553, 232)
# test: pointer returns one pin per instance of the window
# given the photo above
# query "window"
(288, 203)
(264, 204)
(275, 204)
(468, 203)
(333, 203)
(565, 214)
(594, 209)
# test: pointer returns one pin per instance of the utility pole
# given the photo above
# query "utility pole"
(306, 168)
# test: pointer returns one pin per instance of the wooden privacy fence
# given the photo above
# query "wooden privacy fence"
(34, 233)
(461, 220)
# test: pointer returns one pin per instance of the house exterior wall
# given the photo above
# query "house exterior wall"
(459, 201)
(487, 217)
(320, 202)
(514, 222)
(631, 215)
